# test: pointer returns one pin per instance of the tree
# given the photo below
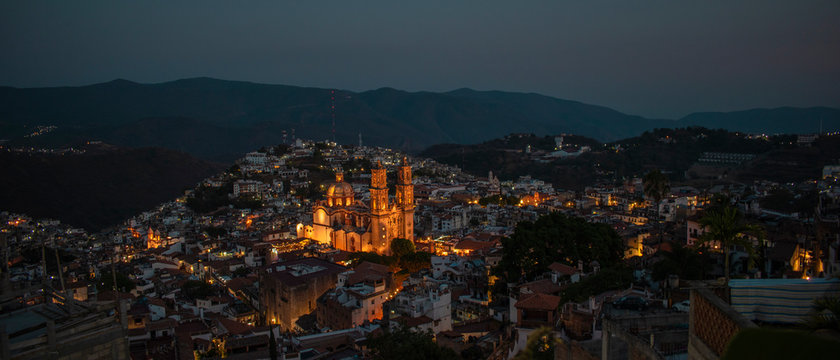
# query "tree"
(557, 238)
(540, 345)
(825, 315)
(362, 256)
(617, 277)
(656, 187)
(401, 247)
(241, 271)
(405, 344)
(194, 289)
(726, 225)
(416, 261)
(682, 261)
(106, 282)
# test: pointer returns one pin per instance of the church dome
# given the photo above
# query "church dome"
(340, 193)
(340, 189)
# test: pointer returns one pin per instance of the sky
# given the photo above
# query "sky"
(658, 59)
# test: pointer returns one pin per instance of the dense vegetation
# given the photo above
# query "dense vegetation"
(557, 238)
(685, 262)
(105, 282)
(616, 277)
(405, 344)
(404, 257)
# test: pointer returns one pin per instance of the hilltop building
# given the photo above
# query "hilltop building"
(350, 225)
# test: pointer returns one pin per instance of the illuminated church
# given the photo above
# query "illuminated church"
(351, 225)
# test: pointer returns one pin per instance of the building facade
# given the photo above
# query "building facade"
(289, 290)
(351, 225)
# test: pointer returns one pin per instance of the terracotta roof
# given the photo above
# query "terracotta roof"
(665, 246)
(544, 286)
(239, 283)
(367, 271)
(562, 268)
(288, 279)
(235, 327)
(192, 328)
(539, 302)
(470, 244)
(369, 266)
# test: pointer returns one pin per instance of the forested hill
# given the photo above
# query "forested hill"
(675, 151)
(221, 120)
(99, 188)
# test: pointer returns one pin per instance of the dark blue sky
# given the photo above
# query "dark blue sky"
(652, 58)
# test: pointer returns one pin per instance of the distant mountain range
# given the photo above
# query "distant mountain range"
(220, 120)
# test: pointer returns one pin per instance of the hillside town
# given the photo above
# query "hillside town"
(314, 250)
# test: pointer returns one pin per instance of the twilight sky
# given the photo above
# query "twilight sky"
(651, 58)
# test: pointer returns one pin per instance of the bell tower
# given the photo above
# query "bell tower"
(405, 200)
(380, 230)
(378, 190)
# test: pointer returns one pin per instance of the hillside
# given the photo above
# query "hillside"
(99, 188)
(672, 150)
(783, 120)
(221, 120)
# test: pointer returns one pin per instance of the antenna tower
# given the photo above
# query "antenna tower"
(332, 112)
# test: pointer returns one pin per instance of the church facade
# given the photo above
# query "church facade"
(352, 225)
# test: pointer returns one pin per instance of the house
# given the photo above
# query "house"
(561, 271)
(536, 310)
(425, 306)
(290, 289)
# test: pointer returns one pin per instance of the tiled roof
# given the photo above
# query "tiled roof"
(470, 244)
(562, 268)
(544, 286)
(539, 302)
(288, 279)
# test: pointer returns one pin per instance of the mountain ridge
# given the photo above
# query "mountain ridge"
(257, 114)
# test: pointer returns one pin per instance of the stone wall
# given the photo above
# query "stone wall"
(712, 323)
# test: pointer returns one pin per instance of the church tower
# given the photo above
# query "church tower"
(380, 215)
(405, 200)
(378, 190)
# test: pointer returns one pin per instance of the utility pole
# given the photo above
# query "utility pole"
(44, 265)
(58, 266)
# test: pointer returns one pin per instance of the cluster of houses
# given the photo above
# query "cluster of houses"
(223, 283)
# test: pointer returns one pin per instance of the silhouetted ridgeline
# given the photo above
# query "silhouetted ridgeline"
(221, 120)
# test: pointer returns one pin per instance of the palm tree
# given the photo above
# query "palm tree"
(656, 187)
(825, 315)
(727, 226)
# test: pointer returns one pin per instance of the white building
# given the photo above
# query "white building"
(424, 307)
